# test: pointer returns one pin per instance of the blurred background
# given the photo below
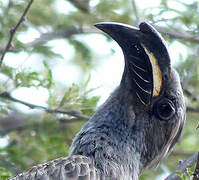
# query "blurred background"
(59, 60)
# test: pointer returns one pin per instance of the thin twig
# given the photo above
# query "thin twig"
(196, 172)
(13, 31)
(74, 113)
(183, 166)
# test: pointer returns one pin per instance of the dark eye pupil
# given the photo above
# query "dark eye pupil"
(164, 109)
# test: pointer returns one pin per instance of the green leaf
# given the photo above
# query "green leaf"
(4, 174)
(8, 71)
(46, 51)
(49, 77)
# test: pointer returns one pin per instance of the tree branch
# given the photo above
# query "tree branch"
(65, 33)
(196, 172)
(74, 113)
(13, 31)
(11, 49)
(190, 94)
(178, 35)
(183, 166)
(192, 109)
(16, 121)
(61, 33)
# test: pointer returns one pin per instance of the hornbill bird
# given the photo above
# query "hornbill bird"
(139, 123)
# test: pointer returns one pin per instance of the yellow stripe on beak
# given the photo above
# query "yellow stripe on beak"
(157, 74)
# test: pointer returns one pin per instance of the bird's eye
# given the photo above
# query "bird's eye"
(164, 109)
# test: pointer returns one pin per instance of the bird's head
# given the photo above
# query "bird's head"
(158, 101)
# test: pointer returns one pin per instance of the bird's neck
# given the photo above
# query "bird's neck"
(107, 140)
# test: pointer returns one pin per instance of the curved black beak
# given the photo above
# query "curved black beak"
(147, 60)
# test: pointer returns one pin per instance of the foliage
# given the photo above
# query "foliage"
(4, 174)
(187, 175)
(43, 143)
(33, 58)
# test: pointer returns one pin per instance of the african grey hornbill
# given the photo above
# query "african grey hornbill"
(139, 123)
